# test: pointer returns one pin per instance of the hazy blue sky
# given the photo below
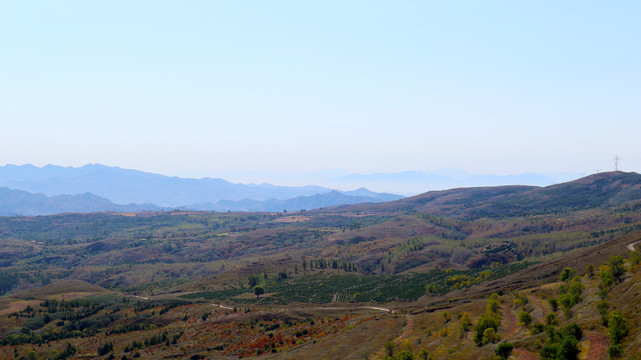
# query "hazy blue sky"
(208, 87)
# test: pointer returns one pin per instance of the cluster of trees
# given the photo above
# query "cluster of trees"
(344, 265)
(487, 325)
(563, 344)
(405, 353)
(610, 275)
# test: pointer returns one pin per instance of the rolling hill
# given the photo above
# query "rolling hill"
(594, 191)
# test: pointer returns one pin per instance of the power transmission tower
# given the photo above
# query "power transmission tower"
(616, 162)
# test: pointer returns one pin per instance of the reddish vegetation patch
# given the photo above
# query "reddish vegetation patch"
(598, 346)
(523, 354)
(243, 338)
(510, 324)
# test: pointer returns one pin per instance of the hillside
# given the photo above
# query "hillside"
(351, 282)
(594, 191)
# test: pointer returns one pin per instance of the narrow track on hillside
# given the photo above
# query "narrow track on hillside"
(510, 324)
(632, 245)
(222, 306)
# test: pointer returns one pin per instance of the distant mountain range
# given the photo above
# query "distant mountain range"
(31, 190)
(18, 202)
(404, 182)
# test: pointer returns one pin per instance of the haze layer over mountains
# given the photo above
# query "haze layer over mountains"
(31, 190)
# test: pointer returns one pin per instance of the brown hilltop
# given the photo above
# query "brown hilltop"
(593, 191)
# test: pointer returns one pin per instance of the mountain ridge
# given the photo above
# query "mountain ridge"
(592, 191)
(124, 186)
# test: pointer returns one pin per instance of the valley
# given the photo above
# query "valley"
(455, 274)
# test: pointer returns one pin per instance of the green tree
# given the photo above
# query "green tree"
(405, 355)
(490, 336)
(615, 350)
(573, 330)
(607, 277)
(566, 274)
(525, 318)
(603, 306)
(569, 349)
(389, 348)
(617, 327)
(259, 290)
(617, 267)
(424, 355)
(485, 322)
(551, 319)
(504, 350)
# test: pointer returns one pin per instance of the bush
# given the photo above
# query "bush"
(504, 350)
(573, 330)
(615, 350)
(537, 328)
(405, 355)
(617, 267)
(525, 318)
(550, 319)
(490, 336)
(569, 349)
(485, 322)
(566, 274)
(617, 327)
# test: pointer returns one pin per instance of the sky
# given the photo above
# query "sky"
(201, 88)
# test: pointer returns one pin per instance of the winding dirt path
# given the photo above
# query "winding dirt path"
(409, 327)
(632, 245)
(222, 306)
(510, 324)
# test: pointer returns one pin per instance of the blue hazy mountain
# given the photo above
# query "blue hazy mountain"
(331, 198)
(50, 189)
(132, 186)
(18, 202)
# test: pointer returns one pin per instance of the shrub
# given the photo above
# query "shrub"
(504, 350)
(485, 322)
(490, 336)
(550, 319)
(537, 328)
(573, 330)
(617, 267)
(525, 318)
(615, 350)
(405, 355)
(617, 328)
(566, 274)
